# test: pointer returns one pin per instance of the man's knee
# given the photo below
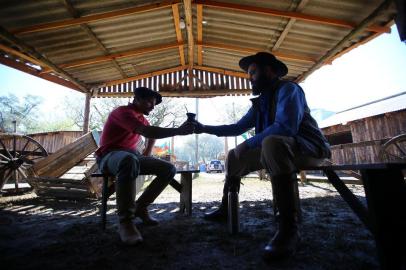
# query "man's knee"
(129, 166)
(274, 143)
(167, 172)
(275, 148)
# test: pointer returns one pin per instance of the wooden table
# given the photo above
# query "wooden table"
(185, 190)
(385, 214)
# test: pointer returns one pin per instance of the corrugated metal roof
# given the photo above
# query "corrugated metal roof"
(92, 43)
(389, 104)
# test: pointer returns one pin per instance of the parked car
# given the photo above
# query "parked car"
(214, 166)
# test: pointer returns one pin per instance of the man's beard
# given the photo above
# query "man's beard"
(260, 85)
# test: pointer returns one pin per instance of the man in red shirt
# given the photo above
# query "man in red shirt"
(118, 155)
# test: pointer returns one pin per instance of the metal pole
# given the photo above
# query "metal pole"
(197, 136)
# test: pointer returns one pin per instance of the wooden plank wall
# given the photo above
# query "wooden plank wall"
(53, 141)
(179, 80)
(368, 134)
(378, 127)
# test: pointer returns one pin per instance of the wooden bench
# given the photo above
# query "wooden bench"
(385, 214)
(184, 188)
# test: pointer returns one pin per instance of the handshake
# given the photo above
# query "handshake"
(191, 125)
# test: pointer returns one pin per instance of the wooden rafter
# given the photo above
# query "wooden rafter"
(21, 55)
(32, 52)
(290, 14)
(30, 70)
(289, 25)
(113, 56)
(176, 21)
(146, 75)
(285, 56)
(92, 18)
(92, 36)
(355, 45)
(187, 5)
(361, 27)
(223, 71)
(199, 22)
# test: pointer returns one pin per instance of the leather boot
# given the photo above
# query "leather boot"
(129, 233)
(147, 197)
(220, 214)
(125, 196)
(286, 239)
(143, 214)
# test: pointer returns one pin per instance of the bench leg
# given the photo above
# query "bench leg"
(186, 193)
(104, 201)
(233, 217)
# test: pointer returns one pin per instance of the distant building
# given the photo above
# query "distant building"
(356, 134)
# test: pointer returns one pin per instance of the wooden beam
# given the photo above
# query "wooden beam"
(21, 55)
(113, 56)
(182, 93)
(92, 18)
(92, 36)
(288, 26)
(199, 34)
(30, 70)
(285, 56)
(187, 5)
(223, 71)
(336, 49)
(355, 45)
(31, 51)
(86, 116)
(179, 38)
(290, 14)
(143, 76)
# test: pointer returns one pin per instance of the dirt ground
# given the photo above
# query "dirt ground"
(38, 233)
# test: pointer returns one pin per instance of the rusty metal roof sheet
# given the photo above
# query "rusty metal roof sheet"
(91, 44)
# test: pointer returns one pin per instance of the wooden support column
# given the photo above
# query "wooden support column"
(87, 114)
(189, 27)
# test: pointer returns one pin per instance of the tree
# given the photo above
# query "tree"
(210, 147)
(24, 112)
(234, 113)
(166, 114)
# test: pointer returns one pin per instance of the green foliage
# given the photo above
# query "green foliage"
(24, 111)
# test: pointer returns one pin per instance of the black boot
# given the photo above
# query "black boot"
(220, 214)
(286, 239)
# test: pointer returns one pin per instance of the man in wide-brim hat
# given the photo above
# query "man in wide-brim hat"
(286, 138)
(118, 155)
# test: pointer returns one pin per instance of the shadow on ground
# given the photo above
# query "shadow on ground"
(37, 233)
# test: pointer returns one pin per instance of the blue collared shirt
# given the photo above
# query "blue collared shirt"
(290, 108)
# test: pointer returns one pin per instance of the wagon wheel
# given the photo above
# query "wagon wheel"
(394, 149)
(17, 154)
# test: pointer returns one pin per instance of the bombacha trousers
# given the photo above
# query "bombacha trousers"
(279, 155)
(126, 166)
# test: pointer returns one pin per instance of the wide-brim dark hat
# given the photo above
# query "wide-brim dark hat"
(144, 92)
(264, 58)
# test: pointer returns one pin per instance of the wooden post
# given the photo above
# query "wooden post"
(87, 114)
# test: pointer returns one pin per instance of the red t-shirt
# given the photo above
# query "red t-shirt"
(118, 131)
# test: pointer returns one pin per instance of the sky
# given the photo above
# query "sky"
(371, 71)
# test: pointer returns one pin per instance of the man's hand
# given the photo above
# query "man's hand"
(199, 127)
(240, 150)
(187, 128)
